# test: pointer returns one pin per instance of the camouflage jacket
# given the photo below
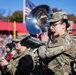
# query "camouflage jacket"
(62, 53)
(22, 67)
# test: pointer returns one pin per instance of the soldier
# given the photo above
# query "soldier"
(21, 63)
(10, 52)
(61, 52)
(70, 29)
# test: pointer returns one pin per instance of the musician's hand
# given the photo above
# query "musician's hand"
(3, 62)
(44, 37)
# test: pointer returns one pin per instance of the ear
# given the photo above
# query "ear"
(64, 25)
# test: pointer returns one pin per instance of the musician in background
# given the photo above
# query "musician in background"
(70, 29)
(21, 63)
(10, 51)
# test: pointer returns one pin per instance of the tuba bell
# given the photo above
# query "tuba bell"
(36, 22)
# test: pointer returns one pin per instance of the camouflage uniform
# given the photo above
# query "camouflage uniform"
(71, 27)
(61, 53)
(22, 63)
(12, 67)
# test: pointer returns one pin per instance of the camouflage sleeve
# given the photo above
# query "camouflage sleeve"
(53, 50)
(10, 69)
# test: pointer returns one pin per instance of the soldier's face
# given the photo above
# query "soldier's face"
(17, 45)
(56, 28)
(52, 28)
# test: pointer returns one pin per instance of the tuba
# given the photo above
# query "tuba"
(36, 22)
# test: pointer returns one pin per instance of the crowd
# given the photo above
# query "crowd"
(55, 55)
(4, 40)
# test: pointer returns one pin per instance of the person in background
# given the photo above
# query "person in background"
(9, 38)
(10, 51)
(8, 47)
(70, 29)
(1, 44)
(21, 63)
(61, 52)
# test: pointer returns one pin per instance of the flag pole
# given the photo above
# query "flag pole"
(14, 29)
(24, 11)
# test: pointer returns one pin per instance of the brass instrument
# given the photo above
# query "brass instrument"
(36, 22)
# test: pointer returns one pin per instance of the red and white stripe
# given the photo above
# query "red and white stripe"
(27, 10)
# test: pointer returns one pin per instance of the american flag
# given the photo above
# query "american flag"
(28, 6)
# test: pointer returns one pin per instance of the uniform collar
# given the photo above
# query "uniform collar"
(20, 54)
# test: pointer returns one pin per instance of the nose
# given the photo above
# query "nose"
(51, 27)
